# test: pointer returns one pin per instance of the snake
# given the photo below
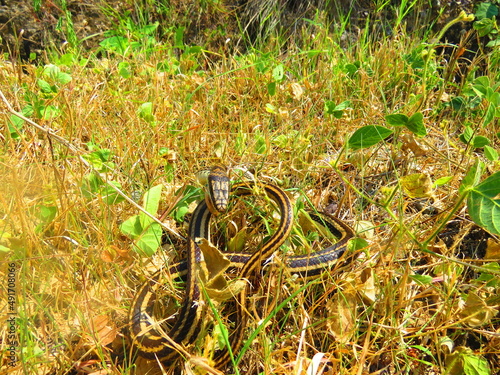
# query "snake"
(148, 336)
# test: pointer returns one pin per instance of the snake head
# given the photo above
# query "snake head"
(217, 192)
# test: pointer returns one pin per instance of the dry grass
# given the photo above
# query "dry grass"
(76, 273)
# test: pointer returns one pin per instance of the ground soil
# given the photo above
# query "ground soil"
(25, 31)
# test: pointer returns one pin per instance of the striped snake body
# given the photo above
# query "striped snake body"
(152, 342)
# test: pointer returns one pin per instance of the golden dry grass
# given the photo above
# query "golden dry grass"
(76, 273)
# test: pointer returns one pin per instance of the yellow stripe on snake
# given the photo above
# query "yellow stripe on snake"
(151, 342)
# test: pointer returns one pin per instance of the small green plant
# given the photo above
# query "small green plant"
(486, 24)
(145, 112)
(45, 213)
(488, 276)
(368, 136)
(482, 200)
(479, 91)
(464, 361)
(352, 69)
(261, 146)
(336, 110)
(37, 5)
(145, 232)
(65, 25)
(93, 184)
(52, 80)
(414, 123)
(278, 76)
(190, 194)
(130, 39)
(16, 124)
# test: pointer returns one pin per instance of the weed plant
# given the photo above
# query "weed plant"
(384, 133)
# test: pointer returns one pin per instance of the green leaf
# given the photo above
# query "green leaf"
(179, 37)
(90, 185)
(103, 153)
(271, 88)
(416, 124)
(51, 71)
(344, 105)
(484, 26)
(336, 110)
(494, 98)
(131, 227)
(480, 86)
(281, 140)
(493, 43)
(67, 59)
(152, 199)
(145, 112)
(180, 212)
(278, 73)
(63, 78)
(150, 202)
(475, 365)
(45, 87)
(15, 125)
(150, 240)
(124, 69)
(95, 161)
(480, 141)
(193, 49)
(271, 109)
(17, 122)
(358, 243)
(241, 143)
(110, 195)
(116, 44)
(149, 29)
(50, 112)
(472, 177)
(262, 62)
(483, 204)
(329, 107)
(27, 110)
(467, 135)
(191, 194)
(443, 181)
(352, 69)
(54, 74)
(421, 279)
(397, 119)
(490, 114)
(490, 279)
(260, 144)
(458, 103)
(46, 213)
(490, 153)
(486, 10)
(368, 136)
